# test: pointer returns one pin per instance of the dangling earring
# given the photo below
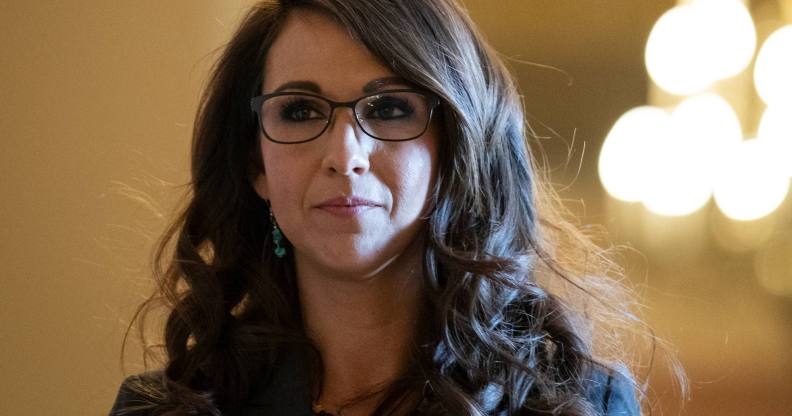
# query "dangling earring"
(277, 235)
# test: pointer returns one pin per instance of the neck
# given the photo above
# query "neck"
(363, 329)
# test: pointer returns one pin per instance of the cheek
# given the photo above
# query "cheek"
(414, 177)
(284, 178)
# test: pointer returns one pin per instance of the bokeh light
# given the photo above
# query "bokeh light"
(683, 169)
(773, 71)
(623, 161)
(730, 36)
(694, 45)
(750, 184)
(776, 127)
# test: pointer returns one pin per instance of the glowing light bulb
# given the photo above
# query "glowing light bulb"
(773, 70)
(693, 45)
(683, 168)
(749, 184)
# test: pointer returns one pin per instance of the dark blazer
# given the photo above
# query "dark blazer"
(286, 392)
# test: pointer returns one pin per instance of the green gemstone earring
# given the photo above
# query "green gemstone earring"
(277, 235)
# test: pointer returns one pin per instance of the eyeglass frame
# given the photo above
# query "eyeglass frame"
(257, 102)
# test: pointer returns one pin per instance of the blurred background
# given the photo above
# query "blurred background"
(670, 124)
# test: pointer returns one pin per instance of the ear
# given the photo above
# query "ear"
(260, 185)
(256, 174)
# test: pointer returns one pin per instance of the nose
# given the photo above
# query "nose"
(346, 154)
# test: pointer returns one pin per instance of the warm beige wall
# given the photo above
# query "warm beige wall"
(93, 94)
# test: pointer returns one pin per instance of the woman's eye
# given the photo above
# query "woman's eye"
(389, 108)
(300, 111)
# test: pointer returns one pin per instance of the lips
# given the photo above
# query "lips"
(348, 202)
(347, 206)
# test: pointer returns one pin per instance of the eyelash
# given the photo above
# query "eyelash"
(297, 104)
(289, 108)
(391, 102)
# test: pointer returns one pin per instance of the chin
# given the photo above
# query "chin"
(353, 261)
(358, 265)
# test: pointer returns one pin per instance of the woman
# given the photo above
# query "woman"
(366, 234)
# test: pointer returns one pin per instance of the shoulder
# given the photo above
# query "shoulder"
(132, 398)
(612, 393)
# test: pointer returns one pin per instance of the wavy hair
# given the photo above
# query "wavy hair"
(523, 304)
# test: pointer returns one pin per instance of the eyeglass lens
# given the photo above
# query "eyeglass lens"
(388, 116)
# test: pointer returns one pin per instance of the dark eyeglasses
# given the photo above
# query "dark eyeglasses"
(295, 117)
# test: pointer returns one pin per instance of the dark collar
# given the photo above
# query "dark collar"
(285, 391)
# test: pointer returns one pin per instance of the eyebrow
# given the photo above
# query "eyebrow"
(370, 87)
(378, 84)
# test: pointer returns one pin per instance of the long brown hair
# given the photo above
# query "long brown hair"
(523, 305)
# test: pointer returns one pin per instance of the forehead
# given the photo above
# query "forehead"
(312, 47)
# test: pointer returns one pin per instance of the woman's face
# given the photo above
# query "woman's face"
(312, 186)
